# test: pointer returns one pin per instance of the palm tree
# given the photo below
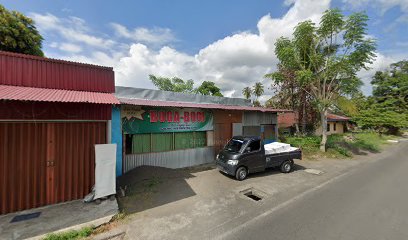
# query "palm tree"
(247, 92)
(258, 90)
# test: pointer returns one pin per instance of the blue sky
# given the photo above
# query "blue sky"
(229, 42)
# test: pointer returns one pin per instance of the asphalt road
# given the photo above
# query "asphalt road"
(370, 202)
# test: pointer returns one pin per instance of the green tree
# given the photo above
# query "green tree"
(247, 92)
(19, 34)
(209, 88)
(257, 90)
(174, 84)
(387, 109)
(289, 94)
(390, 88)
(327, 57)
(257, 103)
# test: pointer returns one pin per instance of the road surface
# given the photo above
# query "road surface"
(370, 202)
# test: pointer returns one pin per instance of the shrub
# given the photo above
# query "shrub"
(73, 234)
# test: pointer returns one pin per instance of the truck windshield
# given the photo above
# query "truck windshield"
(234, 145)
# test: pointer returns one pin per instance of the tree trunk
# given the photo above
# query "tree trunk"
(304, 115)
(323, 116)
(297, 129)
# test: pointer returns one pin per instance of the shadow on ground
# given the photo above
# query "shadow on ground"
(268, 172)
(148, 187)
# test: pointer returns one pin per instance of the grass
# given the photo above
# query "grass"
(72, 234)
(340, 145)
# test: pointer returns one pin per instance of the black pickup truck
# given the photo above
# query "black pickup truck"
(244, 155)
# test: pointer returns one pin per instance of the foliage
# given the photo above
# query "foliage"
(19, 34)
(338, 145)
(247, 92)
(381, 120)
(257, 103)
(289, 94)
(387, 109)
(258, 90)
(346, 106)
(327, 57)
(69, 235)
(209, 88)
(174, 84)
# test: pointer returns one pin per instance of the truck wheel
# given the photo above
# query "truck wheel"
(241, 173)
(286, 166)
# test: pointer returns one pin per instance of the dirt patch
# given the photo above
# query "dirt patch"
(147, 187)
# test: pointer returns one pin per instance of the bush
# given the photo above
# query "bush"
(73, 234)
(337, 144)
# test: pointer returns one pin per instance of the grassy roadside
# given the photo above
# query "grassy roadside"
(72, 234)
(340, 145)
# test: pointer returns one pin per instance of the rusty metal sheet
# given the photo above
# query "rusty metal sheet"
(22, 154)
(32, 71)
(54, 95)
(43, 163)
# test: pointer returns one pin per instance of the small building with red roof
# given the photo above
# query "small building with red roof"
(336, 124)
(52, 113)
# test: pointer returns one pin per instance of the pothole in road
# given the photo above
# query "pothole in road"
(253, 194)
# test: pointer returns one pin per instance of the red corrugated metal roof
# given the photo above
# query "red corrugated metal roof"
(54, 95)
(334, 117)
(39, 72)
(32, 57)
(155, 103)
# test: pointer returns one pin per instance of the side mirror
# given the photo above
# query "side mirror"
(248, 149)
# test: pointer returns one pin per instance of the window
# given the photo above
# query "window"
(334, 126)
(328, 127)
(234, 145)
(255, 146)
(162, 142)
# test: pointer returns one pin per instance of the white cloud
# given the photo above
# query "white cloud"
(381, 63)
(382, 5)
(234, 62)
(154, 35)
(69, 47)
(72, 29)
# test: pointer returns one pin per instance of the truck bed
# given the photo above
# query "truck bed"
(276, 159)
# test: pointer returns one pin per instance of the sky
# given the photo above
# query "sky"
(229, 42)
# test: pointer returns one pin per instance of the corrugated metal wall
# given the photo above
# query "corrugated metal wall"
(23, 110)
(172, 159)
(223, 121)
(31, 71)
(257, 118)
(22, 166)
(44, 163)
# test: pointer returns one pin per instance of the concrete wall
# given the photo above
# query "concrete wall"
(117, 138)
(339, 128)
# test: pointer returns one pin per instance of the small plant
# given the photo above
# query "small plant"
(72, 234)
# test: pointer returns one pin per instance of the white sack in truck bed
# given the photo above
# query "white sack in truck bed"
(278, 147)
